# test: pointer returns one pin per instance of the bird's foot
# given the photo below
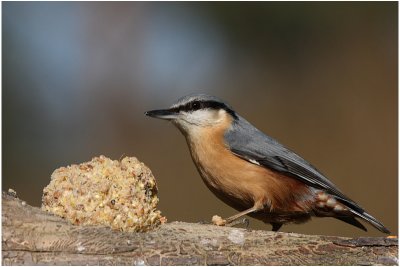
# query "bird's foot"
(217, 220)
(244, 221)
(276, 226)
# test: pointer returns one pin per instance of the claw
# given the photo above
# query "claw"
(243, 221)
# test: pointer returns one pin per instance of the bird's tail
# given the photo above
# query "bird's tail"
(371, 220)
(351, 220)
(359, 212)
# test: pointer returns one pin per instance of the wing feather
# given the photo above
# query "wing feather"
(247, 142)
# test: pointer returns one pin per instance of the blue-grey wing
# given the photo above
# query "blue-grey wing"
(249, 143)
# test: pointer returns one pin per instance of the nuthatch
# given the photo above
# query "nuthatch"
(252, 172)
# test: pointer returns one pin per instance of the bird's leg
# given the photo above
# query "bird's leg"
(276, 226)
(226, 221)
(240, 214)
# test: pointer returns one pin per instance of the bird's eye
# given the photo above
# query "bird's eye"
(195, 105)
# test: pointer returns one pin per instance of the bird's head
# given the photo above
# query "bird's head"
(192, 112)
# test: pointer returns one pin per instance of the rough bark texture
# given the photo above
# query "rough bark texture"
(33, 237)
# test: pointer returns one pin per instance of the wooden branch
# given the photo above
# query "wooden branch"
(33, 237)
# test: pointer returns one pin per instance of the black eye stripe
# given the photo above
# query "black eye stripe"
(196, 105)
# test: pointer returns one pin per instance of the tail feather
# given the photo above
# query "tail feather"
(361, 213)
(371, 220)
(353, 221)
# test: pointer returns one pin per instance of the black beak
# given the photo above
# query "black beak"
(164, 114)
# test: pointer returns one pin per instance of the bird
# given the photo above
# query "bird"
(252, 172)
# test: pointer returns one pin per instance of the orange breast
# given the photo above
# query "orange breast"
(240, 183)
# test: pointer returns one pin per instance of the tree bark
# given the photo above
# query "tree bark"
(34, 237)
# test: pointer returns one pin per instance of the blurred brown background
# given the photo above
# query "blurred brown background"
(319, 77)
